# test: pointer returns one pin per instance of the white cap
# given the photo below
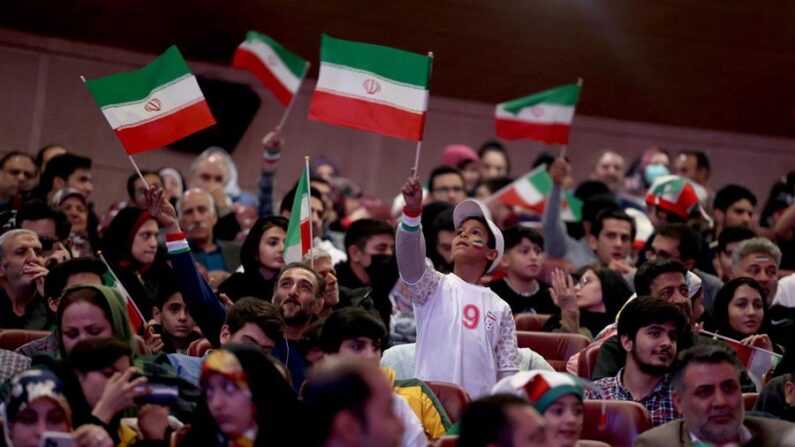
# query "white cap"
(474, 208)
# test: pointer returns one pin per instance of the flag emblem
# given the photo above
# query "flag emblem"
(371, 86)
(153, 105)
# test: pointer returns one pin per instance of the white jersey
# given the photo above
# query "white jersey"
(465, 333)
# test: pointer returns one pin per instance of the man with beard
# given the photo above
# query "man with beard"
(648, 329)
(706, 390)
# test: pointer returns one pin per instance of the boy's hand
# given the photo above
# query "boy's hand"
(412, 193)
(559, 170)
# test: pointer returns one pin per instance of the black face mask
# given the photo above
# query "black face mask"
(383, 271)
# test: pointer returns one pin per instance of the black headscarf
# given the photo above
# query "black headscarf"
(720, 308)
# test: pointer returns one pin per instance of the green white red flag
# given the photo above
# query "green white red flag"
(298, 240)
(133, 313)
(371, 87)
(545, 116)
(531, 192)
(153, 106)
(279, 69)
(757, 361)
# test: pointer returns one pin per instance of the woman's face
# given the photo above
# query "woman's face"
(76, 212)
(83, 320)
(746, 310)
(564, 420)
(172, 185)
(41, 415)
(589, 293)
(230, 406)
(144, 245)
(93, 382)
(271, 249)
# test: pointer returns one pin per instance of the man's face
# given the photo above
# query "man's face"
(318, 213)
(529, 428)
(380, 244)
(686, 166)
(524, 260)
(761, 267)
(210, 174)
(139, 189)
(198, 215)
(175, 318)
(614, 241)
(711, 401)
(609, 169)
(325, 268)
(294, 295)
(663, 247)
(672, 287)
(81, 180)
(738, 214)
(249, 333)
(448, 188)
(18, 174)
(654, 347)
(19, 253)
(53, 250)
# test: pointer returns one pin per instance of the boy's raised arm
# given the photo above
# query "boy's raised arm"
(409, 243)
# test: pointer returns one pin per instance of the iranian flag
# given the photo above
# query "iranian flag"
(298, 240)
(757, 361)
(371, 87)
(544, 116)
(530, 192)
(274, 65)
(153, 106)
(133, 313)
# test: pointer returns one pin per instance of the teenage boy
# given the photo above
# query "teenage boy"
(174, 323)
(465, 333)
(523, 263)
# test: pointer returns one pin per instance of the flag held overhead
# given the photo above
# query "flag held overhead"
(153, 106)
(279, 69)
(545, 116)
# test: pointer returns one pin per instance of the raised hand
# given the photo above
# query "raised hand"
(272, 145)
(161, 209)
(412, 193)
(559, 170)
(118, 395)
(563, 290)
(90, 435)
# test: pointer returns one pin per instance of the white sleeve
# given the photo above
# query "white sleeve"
(414, 434)
(507, 352)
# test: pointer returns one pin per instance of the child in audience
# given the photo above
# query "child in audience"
(174, 323)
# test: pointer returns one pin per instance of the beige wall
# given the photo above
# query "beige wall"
(43, 101)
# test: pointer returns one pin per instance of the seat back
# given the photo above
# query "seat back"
(749, 399)
(556, 348)
(531, 322)
(454, 399)
(623, 421)
(197, 348)
(587, 361)
(11, 339)
(446, 441)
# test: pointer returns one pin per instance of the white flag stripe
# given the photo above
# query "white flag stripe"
(265, 54)
(528, 192)
(304, 207)
(352, 83)
(167, 99)
(540, 113)
(292, 253)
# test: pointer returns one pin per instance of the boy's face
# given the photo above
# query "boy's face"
(175, 318)
(524, 260)
(471, 243)
(363, 348)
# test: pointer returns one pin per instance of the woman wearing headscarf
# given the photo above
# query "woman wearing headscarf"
(741, 313)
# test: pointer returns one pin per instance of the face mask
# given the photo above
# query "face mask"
(653, 172)
(382, 270)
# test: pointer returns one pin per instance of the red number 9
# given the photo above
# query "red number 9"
(471, 316)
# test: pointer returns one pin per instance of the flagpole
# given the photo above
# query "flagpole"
(415, 170)
(287, 110)
(724, 338)
(565, 146)
(309, 202)
(141, 176)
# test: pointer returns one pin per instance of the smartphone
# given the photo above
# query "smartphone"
(162, 391)
(57, 439)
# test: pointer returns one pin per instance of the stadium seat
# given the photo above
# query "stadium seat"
(587, 361)
(11, 339)
(454, 399)
(623, 421)
(531, 322)
(199, 347)
(446, 441)
(749, 399)
(556, 348)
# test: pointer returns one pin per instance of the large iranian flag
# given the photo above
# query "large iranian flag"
(544, 116)
(531, 192)
(274, 65)
(153, 106)
(298, 240)
(371, 87)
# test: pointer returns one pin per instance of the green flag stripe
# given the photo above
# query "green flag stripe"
(541, 181)
(566, 95)
(575, 205)
(294, 63)
(136, 85)
(401, 66)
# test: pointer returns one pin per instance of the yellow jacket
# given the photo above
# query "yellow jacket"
(423, 402)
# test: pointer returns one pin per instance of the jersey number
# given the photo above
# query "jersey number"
(471, 316)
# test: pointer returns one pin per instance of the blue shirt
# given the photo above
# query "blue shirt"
(211, 260)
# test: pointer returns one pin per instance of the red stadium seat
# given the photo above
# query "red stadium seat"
(623, 421)
(199, 347)
(587, 361)
(11, 339)
(446, 441)
(454, 399)
(531, 322)
(556, 348)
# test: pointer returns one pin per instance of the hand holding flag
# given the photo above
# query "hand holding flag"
(758, 361)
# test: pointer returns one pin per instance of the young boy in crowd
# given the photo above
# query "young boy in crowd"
(465, 333)
(174, 323)
(523, 264)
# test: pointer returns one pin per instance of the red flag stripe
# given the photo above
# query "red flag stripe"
(547, 133)
(249, 61)
(167, 129)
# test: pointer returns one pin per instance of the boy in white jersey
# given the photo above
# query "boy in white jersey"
(465, 333)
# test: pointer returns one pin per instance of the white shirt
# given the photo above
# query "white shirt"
(414, 433)
(785, 295)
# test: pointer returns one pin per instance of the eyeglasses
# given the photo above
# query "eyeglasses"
(449, 189)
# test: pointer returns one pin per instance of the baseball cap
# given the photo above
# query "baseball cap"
(474, 208)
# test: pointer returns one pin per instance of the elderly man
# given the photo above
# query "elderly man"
(198, 217)
(706, 391)
(22, 273)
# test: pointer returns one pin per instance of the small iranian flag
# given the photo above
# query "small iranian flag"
(544, 116)
(371, 87)
(298, 240)
(531, 191)
(275, 66)
(757, 361)
(153, 106)
(133, 313)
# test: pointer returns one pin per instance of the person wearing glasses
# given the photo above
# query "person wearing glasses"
(446, 184)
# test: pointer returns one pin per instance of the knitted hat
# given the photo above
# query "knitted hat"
(674, 194)
(542, 388)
